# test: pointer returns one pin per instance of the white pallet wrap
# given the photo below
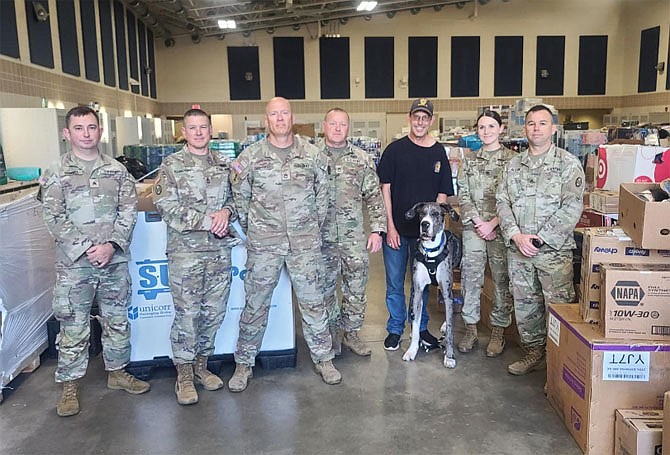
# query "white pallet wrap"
(151, 310)
(27, 277)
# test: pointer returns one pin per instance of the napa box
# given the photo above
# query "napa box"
(608, 245)
(638, 432)
(636, 301)
(589, 377)
(647, 223)
(666, 419)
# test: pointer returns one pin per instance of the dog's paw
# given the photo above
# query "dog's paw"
(443, 329)
(409, 355)
(449, 362)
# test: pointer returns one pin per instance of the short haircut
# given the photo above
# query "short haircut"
(336, 109)
(492, 114)
(538, 108)
(195, 113)
(80, 111)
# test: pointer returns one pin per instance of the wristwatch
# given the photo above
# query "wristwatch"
(378, 232)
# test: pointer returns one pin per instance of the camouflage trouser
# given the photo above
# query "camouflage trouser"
(263, 269)
(476, 252)
(352, 265)
(200, 285)
(74, 293)
(537, 281)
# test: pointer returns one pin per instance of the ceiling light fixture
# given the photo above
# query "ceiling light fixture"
(366, 5)
(227, 24)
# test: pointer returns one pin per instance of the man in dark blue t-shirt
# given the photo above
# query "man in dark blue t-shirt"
(412, 169)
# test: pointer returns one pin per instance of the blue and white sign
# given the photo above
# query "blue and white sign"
(151, 310)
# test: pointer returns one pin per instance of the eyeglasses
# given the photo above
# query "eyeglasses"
(421, 118)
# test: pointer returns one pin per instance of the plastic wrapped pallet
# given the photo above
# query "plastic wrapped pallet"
(27, 276)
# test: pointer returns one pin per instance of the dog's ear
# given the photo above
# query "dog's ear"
(449, 210)
(411, 213)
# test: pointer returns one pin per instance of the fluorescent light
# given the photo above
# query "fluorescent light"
(366, 5)
(223, 23)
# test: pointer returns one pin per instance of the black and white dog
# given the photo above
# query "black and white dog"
(437, 254)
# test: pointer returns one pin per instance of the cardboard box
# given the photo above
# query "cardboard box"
(638, 432)
(635, 301)
(604, 201)
(666, 419)
(591, 218)
(589, 377)
(619, 164)
(647, 223)
(608, 245)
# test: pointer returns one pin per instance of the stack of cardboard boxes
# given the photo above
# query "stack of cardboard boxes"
(609, 357)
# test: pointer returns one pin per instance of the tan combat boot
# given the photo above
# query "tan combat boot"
(328, 372)
(204, 377)
(533, 360)
(240, 379)
(356, 345)
(121, 380)
(68, 404)
(184, 388)
(496, 343)
(336, 335)
(469, 340)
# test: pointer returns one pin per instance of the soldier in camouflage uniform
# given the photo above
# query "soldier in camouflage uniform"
(89, 205)
(539, 201)
(353, 182)
(280, 186)
(192, 194)
(478, 178)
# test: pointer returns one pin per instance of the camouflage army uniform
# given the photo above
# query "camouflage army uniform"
(282, 204)
(188, 189)
(82, 210)
(478, 178)
(543, 196)
(353, 182)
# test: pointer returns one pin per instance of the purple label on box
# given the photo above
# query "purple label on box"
(574, 383)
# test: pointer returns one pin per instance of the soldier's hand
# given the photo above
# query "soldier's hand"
(484, 228)
(100, 255)
(491, 236)
(220, 222)
(374, 242)
(524, 242)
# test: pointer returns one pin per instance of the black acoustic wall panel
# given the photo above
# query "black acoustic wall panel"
(132, 50)
(550, 61)
(422, 68)
(9, 39)
(592, 73)
(90, 40)
(121, 52)
(379, 72)
(334, 63)
(647, 75)
(67, 36)
(464, 66)
(289, 62)
(142, 44)
(508, 69)
(107, 41)
(152, 64)
(39, 35)
(243, 72)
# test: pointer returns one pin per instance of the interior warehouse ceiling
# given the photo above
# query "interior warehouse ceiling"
(199, 18)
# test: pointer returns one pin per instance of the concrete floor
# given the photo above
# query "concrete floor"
(383, 406)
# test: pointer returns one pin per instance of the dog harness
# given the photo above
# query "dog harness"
(431, 262)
